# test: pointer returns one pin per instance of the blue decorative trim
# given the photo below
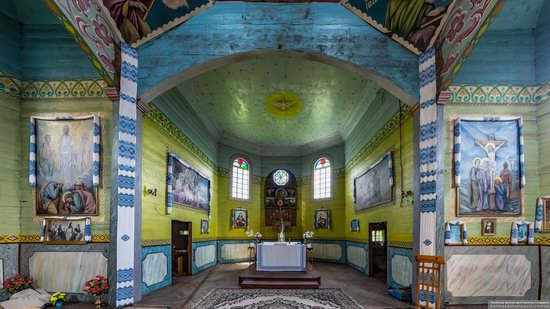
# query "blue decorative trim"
(393, 251)
(362, 245)
(341, 243)
(166, 250)
(196, 245)
(221, 260)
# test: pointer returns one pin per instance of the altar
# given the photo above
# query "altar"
(274, 256)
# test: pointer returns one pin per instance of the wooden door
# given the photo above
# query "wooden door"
(378, 253)
(182, 253)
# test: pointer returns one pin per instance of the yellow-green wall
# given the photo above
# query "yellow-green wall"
(398, 215)
(10, 160)
(31, 225)
(156, 224)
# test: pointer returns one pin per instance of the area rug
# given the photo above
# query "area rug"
(276, 299)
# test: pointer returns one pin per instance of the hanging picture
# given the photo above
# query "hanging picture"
(322, 218)
(488, 227)
(64, 165)
(186, 186)
(66, 231)
(488, 166)
(205, 226)
(455, 233)
(239, 218)
(354, 225)
(375, 186)
(523, 232)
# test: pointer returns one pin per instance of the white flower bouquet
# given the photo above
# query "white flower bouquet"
(308, 235)
(250, 233)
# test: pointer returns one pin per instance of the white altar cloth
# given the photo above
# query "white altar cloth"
(281, 257)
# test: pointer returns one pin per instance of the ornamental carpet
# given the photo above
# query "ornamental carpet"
(332, 298)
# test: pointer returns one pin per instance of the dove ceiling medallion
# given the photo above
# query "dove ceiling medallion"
(283, 104)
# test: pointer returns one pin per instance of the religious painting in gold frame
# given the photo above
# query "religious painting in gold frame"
(239, 218)
(322, 219)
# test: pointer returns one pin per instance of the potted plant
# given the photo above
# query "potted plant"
(96, 287)
(308, 235)
(57, 299)
(17, 283)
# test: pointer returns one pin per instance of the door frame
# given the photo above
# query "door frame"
(189, 244)
(372, 226)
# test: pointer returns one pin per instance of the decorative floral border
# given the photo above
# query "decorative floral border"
(4, 239)
(498, 94)
(52, 89)
(155, 242)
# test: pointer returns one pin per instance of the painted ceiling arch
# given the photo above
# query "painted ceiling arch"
(228, 30)
(234, 105)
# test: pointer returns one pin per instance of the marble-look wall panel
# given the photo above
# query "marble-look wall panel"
(545, 272)
(329, 251)
(156, 267)
(476, 274)
(233, 251)
(400, 267)
(74, 274)
(204, 255)
(9, 254)
(357, 256)
(65, 271)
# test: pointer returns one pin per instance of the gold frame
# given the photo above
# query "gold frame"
(329, 215)
(486, 220)
(545, 214)
(233, 211)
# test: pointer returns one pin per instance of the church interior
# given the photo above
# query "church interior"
(274, 153)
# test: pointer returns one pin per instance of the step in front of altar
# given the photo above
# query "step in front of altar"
(253, 279)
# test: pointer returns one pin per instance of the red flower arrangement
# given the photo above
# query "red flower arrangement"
(96, 286)
(17, 283)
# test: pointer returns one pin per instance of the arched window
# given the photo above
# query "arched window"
(240, 178)
(322, 179)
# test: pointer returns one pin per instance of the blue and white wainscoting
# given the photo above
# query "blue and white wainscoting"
(204, 255)
(234, 251)
(400, 273)
(156, 268)
(357, 254)
(477, 274)
(332, 251)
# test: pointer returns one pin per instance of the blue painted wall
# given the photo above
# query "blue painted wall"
(36, 46)
(10, 47)
(542, 43)
(501, 57)
(50, 53)
(196, 245)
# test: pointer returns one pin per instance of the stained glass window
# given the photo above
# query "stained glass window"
(240, 179)
(280, 177)
(322, 180)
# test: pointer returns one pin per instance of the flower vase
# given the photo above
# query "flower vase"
(98, 301)
(59, 304)
(308, 245)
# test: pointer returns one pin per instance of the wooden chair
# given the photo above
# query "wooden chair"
(428, 281)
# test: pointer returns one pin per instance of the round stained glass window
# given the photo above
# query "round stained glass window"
(280, 177)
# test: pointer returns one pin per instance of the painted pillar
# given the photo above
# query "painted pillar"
(122, 255)
(428, 167)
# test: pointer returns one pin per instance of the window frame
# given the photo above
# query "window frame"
(331, 177)
(233, 158)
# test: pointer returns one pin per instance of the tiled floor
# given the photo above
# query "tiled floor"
(186, 291)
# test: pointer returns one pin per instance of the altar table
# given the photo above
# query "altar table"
(281, 257)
